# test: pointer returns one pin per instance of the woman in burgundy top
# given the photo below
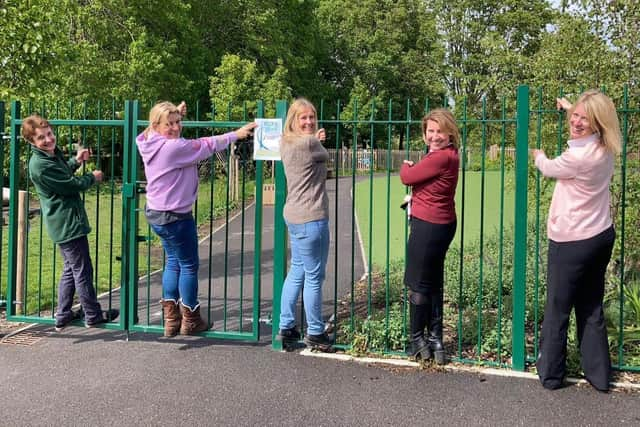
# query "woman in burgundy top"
(433, 225)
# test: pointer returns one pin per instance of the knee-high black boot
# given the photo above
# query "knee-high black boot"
(419, 315)
(435, 327)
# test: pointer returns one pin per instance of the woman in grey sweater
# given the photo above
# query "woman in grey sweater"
(306, 213)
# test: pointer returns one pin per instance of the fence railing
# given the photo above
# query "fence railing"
(495, 269)
(343, 160)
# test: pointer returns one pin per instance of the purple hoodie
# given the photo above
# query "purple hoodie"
(171, 167)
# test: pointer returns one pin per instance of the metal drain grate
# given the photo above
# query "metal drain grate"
(23, 338)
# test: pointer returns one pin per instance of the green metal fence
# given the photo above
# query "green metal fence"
(495, 269)
(127, 257)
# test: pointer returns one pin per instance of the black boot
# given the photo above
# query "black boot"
(419, 347)
(435, 328)
(418, 314)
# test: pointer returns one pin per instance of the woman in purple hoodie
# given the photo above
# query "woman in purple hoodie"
(170, 164)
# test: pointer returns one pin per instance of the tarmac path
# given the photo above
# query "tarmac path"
(96, 377)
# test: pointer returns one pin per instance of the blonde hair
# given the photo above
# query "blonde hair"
(447, 122)
(602, 116)
(30, 124)
(159, 112)
(291, 124)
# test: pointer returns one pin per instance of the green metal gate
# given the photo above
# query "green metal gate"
(229, 291)
(127, 257)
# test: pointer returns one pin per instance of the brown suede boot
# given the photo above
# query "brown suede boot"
(192, 323)
(172, 317)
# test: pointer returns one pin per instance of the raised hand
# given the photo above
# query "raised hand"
(182, 108)
(563, 104)
(246, 130)
(97, 174)
(535, 152)
(83, 155)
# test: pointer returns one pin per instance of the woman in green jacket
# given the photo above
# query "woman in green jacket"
(66, 219)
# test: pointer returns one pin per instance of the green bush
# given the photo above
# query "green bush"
(495, 285)
(376, 333)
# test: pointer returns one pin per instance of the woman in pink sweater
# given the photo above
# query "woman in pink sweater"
(581, 236)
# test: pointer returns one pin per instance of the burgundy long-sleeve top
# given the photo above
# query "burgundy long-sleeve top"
(433, 179)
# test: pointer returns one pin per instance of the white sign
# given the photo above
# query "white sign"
(266, 139)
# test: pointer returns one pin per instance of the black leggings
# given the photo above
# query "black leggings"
(426, 250)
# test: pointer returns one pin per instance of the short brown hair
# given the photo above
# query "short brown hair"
(30, 124)
(447, 122)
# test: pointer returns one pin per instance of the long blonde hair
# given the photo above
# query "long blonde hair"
(603, 118)
(447, 123)
(159, 112)
(291, 124)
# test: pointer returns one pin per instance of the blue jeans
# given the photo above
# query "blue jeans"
(180, 276)
(77, 275)
(309, 243)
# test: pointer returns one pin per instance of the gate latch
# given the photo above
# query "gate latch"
(128, 190)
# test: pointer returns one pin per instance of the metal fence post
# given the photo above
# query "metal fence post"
(129, 271)
(14, 183)
(257, 242)
(2, 141)
(520, 229)
(279, 238)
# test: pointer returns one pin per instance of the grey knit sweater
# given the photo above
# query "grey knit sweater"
(305, 166)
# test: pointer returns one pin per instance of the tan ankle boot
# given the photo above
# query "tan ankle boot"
(192, 323)
(172, 317)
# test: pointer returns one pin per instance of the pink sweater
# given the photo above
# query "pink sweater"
(580, 204)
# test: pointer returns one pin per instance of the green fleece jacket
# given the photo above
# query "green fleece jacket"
(59, 191)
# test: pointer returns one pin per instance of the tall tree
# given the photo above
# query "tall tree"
(618, 23)
(276, 35)
(381, 50)
(28, 35)
(488, 44)
(102, 48)
(572, 58)
(237, 79)
(390, 46)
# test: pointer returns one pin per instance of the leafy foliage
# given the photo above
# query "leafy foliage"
(371, 51)
(376, 333)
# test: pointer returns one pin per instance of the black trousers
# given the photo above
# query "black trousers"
(575, 279)
(426, 250)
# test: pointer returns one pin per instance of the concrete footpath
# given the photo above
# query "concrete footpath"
(97, 377)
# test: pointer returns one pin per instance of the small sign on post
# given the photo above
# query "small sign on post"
(268, 194)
